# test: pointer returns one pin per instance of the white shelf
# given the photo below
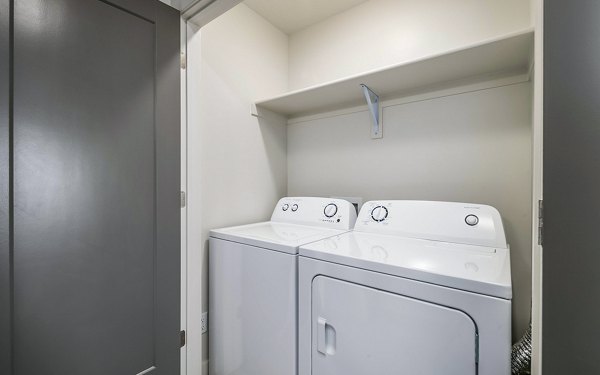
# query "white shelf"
(510, 54)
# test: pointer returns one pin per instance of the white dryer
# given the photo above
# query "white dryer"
(419, 288)
(253, 285)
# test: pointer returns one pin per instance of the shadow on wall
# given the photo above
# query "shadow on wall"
(273, 128)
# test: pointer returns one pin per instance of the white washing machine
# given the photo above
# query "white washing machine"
(419, 288)
(253, 285)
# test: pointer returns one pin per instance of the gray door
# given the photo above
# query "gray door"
(93, 207)
(5, 271)
(571, 284)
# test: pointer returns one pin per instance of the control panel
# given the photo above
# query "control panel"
(466, 223)
(326, 212)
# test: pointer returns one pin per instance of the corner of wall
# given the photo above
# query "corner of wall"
(232, 61)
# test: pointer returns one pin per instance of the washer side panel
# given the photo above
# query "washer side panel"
(252, 310)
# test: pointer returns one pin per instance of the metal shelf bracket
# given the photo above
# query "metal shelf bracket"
(375, 109)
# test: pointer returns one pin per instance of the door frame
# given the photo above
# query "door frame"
(192, 276)
(201, 13)
(537, 15)
(184, 270)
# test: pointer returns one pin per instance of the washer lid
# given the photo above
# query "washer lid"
(479, 269)
(271, 235)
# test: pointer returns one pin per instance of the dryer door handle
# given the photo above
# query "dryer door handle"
(326, 337)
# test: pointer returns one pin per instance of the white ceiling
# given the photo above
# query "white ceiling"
(293, 15)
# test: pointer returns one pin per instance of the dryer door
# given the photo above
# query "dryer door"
(361, 330)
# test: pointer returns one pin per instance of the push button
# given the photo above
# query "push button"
(471, 220)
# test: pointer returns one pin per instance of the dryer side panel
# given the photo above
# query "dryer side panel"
(359, 330)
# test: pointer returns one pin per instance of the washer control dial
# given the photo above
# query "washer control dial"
(472, 220)
(379, 213)
(330, 210)
(294, 207)
(285, 207)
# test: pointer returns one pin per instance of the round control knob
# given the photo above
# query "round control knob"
(285, 207)
(294, 207)
(379, 213)
(472, 220)
(330, 210)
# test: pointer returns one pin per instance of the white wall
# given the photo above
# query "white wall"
(236, 166)
(473, 147)
(385, 32)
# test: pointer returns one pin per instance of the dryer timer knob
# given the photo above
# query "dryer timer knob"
(379, 213)
(330, 210)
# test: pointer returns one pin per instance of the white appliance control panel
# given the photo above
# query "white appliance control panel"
(464, 223)
(324, 212)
